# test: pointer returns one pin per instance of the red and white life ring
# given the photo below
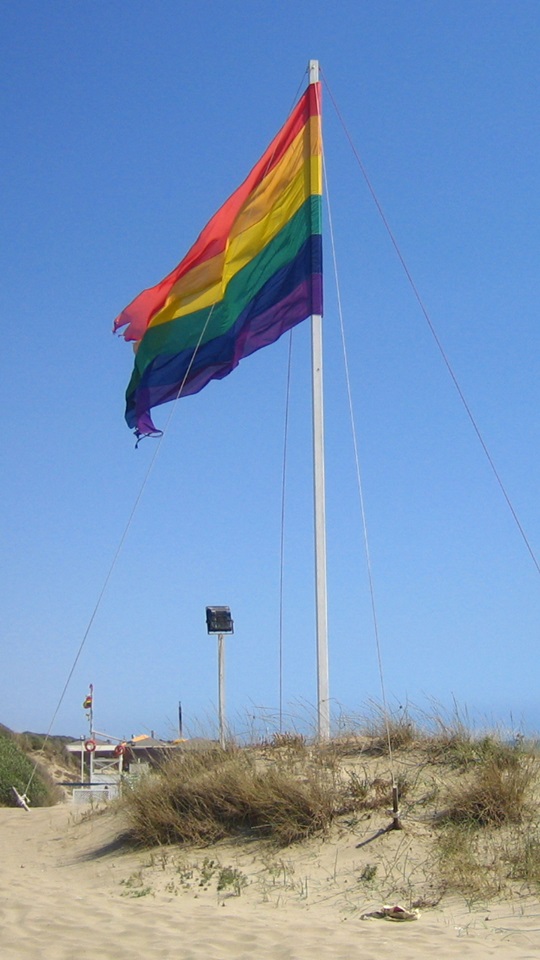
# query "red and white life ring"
(90, 746)
(120, 749)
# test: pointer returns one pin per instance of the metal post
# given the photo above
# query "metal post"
(323, 695)
(92, 734)
(396, 822)
(221, 689)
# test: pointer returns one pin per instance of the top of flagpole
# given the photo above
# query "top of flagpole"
(313, 70)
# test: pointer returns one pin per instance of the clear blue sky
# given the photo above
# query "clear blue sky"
(124, 127)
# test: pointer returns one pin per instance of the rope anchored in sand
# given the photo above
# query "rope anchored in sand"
(21, 799)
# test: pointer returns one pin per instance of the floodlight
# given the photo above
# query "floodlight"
(219, 620)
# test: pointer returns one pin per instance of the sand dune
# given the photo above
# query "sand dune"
(69, 891)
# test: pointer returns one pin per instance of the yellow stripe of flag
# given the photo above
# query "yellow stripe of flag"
(267, 210)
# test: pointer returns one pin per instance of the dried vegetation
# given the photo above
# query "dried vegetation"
(467, 802)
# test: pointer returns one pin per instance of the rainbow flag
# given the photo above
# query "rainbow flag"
(254, 272)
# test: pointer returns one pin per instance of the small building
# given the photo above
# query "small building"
(103, 763)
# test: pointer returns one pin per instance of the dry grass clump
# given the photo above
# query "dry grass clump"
(393, 729)
(288, 747)
(496, 794)
(217, 794)
(296, 742)
(377, 732)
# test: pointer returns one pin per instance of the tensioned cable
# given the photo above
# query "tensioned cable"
(374, 616)
(438, 342)
(123, 536)
(282, 537)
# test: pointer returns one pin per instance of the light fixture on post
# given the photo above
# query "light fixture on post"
(220, 622)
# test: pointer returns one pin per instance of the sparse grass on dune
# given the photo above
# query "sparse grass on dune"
(51, 748)
(467, 802)
(487, 829)
(470, 795)
(523, 856)
(377, 732)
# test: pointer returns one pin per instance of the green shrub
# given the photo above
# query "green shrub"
(16, 770)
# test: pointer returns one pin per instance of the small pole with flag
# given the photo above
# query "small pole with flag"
(88, 705)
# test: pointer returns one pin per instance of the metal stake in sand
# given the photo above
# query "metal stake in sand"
(396, 822)
(219, 621)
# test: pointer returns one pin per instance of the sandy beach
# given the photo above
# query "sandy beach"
(70, 890)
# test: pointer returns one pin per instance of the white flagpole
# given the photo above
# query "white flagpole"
(323, 695)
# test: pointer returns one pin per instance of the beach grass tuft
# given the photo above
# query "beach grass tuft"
(495, 794)
(204, 797)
